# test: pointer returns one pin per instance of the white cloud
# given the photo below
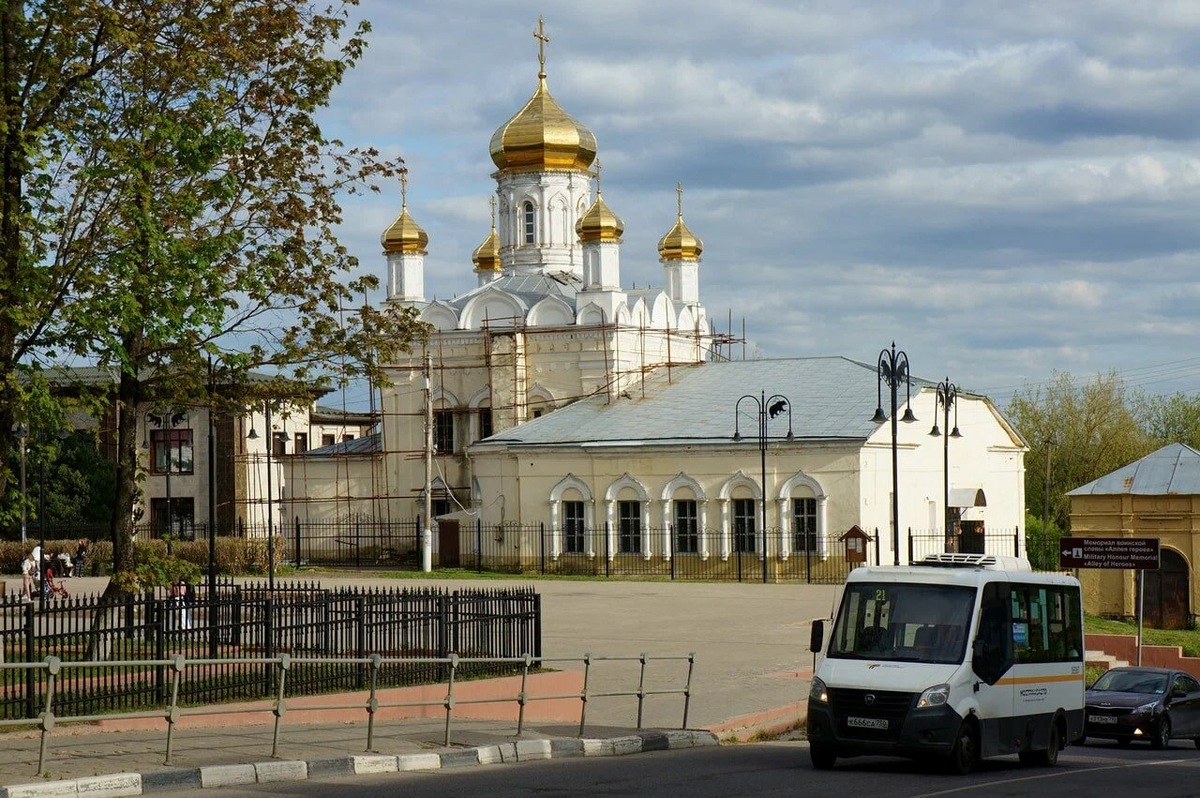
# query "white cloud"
(1004, 194)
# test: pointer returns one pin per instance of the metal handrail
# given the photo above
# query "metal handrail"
(172, 713)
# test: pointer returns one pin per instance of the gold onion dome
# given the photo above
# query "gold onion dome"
(542, 136)
(599, 223)
(680, 243)
(404, 234)
(487, 255)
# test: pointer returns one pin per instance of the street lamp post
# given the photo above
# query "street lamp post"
(1046, 561)
(212, 518)
(893, 370)
(947, 397)
(768, 407)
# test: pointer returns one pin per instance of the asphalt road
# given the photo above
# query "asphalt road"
(777, 768)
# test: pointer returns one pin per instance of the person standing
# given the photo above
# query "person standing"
(28, 570)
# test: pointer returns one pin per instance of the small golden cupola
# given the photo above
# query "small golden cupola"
(599, 223)
(404, 235)
(487, 255)
(542, 136)
(680, 243)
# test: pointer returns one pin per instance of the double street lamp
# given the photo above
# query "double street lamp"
(768, 407)
(946, 397)
(893, 370)
(22, 434)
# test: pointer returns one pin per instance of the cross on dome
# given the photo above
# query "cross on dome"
(543, 40)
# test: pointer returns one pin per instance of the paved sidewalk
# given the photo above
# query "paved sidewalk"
(751, 675)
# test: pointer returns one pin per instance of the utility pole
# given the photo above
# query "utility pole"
(427, 531)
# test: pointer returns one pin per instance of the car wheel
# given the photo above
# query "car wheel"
(1197, 742)
(962, 757)
(822, 756)
(1160, 736)
(1082, 739)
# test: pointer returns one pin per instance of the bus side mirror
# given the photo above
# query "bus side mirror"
(816, 639)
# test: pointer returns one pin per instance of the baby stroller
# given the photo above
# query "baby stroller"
(53, 589)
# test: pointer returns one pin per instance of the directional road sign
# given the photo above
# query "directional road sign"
(1108, 553)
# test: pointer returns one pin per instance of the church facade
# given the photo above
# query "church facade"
(549, 394)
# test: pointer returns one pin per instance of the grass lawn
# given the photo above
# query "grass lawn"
(1186, 639)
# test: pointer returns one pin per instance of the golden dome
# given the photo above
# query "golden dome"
(600, 223)
(487, 255)
(542, 136)
(680, 243)
(404, 234)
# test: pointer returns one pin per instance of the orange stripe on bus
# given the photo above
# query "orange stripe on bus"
(1073, 677)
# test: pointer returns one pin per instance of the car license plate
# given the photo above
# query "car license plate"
(867, 723)
(1101, 719)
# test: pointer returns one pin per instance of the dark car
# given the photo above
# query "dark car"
(1153, 704)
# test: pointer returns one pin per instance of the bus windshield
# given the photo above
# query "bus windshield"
(903, 622)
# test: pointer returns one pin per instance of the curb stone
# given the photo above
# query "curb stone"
(118, 785)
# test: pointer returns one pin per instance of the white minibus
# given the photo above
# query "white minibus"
(960, 657)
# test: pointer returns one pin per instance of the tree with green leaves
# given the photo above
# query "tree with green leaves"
(194, 199)
(1088, 429)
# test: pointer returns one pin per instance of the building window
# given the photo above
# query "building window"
(573, 532)
(171, 451)
(300, 443)
(745, 514)
(328, 439)
(804, 525)
(349, 436)
(530, 220)
(181, 519)
(440, 507)
(443, 431)
(537, 412)
(485, 422)
(629, 527)
(687, 533)
(279, 441)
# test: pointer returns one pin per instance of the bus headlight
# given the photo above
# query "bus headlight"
(817, 691)
(934, 696)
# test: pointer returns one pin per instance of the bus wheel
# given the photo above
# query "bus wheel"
(822, 756)
(962, 757)
(1049, 757)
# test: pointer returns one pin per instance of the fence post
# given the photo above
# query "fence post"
(268, 641)
(30, 656)
(876, 545)
(542, 537)
(297, 542)
(158, 616)
(537, 628)
(1017, 541)
(357, 547)
(361, 631)
(443, 644)
(910, 546)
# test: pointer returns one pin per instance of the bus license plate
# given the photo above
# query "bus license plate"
(1101, 719)
(867, 723)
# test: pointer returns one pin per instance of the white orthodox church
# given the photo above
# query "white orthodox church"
(551, 394)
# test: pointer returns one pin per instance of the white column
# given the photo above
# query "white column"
(610, 513)
(555, 529)
(589, 524)
(646, 529)
(725, 529)
(822, 531)
(703, 528)
(666, 529)
(785, 530)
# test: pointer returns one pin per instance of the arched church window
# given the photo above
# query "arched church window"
(529, 222)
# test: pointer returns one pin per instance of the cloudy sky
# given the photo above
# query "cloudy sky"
(1005, 190)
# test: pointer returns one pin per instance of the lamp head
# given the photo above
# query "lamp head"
(935, 432)
(955, 433)
(879, 416)
(908, 416)
(253, 434)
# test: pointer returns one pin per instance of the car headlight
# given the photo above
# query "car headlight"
(934, 696)
(817, 691)
(1147, 709)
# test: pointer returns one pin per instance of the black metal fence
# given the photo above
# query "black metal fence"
(253, 621)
